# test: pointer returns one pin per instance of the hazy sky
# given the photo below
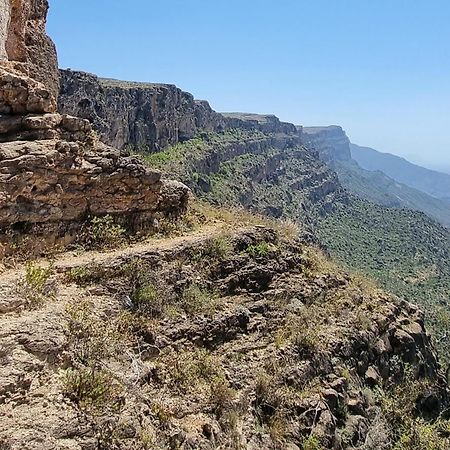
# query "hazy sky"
(379, 68)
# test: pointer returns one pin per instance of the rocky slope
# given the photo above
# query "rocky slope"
(272, 174)
(54, 172)
(238, 337)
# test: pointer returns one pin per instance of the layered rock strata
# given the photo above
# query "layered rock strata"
(52, 167)
(140, 116)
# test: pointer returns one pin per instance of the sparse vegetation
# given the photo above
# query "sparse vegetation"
(36, 285)
(93, 390)
(260, 250)
(104, 232)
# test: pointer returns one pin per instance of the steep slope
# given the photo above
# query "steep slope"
(272, 174)
(234, 336)
(374, 185)
(277, 176)
(429, 181)
(380, 189)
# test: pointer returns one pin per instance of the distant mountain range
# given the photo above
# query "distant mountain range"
(436, 184)
(382, 178)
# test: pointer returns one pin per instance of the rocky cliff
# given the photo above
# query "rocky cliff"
(150, 117)
(331, 142)
(139, 116)
(53, 169)
(266, 123)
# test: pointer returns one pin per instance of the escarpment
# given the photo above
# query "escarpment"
(138, 116)
(53, 170)
(331, 142)
(150, 117)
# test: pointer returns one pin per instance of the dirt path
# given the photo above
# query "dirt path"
(72, 259)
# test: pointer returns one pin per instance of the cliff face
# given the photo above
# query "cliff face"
(53, 170)
(150, 117)
(140, 116)
(331, 142)
(265, 123)
(24, 43)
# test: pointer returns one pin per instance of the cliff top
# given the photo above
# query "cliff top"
(317, 130)
(260, 118)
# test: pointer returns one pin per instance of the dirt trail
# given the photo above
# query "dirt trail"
(66, 260)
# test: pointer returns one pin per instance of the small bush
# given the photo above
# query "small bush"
(221, 395)
(196, 300)
(260, 250)
(92, 389)
(79, 275)
(104, 232)
(216, 249)
(311, 443)
(35, 286)
(147, 300)
(91, 339)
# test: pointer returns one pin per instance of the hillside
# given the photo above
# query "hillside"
(395, 247)
(134, 316)
(376, 187)
(240, 336)
(373, 184)
(429, 181)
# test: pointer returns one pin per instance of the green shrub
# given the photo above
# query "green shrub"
(260, 250)
(196, 300)
(104, 232)
(216, 249)
(35, 287)
(147, 300)
(92, 389)
(311, 443)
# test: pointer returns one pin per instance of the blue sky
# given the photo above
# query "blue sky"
(380, 69)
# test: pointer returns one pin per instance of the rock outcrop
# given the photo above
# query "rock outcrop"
(53, 170)
(237, 349)
(150, 117)
(139, 116)
(266, 123)
(331, 142)
(25, 44)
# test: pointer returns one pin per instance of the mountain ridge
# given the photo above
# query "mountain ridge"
(432, 182)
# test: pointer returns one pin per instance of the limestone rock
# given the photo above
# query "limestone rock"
(23, 40)
(142, 116)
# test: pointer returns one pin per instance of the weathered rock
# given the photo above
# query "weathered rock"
(52, 169)
(142, 116)
(24, 40)
(331, 142)
(54, 180)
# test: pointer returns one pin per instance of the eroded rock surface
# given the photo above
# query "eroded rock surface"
(140, 116)
(237, 349)
(52, 167)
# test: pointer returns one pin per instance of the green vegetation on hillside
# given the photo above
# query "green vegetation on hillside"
(405, 251)
(379, 188)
